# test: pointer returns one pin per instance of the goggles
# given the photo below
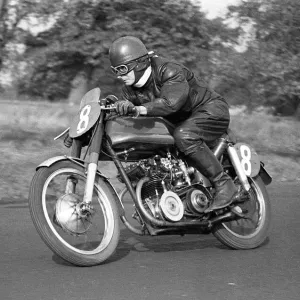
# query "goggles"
(122, 70)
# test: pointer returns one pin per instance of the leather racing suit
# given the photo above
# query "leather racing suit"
(199, 114)
(173, 92)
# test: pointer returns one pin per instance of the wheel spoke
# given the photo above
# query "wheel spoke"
(250, 225)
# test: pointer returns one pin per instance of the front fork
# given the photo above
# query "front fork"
(92, 166)
(71, 180)
(238, 167)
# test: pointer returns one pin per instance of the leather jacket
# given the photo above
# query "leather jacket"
(172, 91)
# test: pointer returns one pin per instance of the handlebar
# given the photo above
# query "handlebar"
(111, 107)
(108, 107)
(132, 111)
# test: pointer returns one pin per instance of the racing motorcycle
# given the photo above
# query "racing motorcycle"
(76, 208)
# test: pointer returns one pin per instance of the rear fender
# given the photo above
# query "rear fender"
(49, 162)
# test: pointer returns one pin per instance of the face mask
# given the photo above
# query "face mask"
(144, 78)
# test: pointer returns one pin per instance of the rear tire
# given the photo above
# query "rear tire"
(53, 235)
(225, 233)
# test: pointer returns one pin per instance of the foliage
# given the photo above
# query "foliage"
(266, 73)
(14, 14)
(84, 30)
(269, 69)
(16, 18)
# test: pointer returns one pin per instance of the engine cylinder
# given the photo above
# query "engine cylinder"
(153, 188)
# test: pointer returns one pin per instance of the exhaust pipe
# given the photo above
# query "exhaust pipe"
(229, 216)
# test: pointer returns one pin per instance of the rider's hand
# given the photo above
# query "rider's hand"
(68, 141)
(124, 107)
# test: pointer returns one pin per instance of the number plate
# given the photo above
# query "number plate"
(249, 159)
(85, 119)
(91, 96)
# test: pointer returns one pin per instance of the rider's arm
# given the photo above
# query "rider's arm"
(173, 94)
(126, 95)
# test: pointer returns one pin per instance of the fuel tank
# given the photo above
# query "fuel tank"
(143, 133)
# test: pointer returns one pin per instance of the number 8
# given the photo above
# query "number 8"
(84, 119)
(246, 157)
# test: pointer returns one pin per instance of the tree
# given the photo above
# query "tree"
(12, 13)
(272, 59)
(84, 30)
(16, 17)
(3, 28)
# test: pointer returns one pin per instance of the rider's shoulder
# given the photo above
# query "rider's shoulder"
(166, 68)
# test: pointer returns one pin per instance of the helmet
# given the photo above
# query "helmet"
(126, 49)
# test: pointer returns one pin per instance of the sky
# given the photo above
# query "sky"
(216, 8)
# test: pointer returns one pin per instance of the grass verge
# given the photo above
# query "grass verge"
(27, 131)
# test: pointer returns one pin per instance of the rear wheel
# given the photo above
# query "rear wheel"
(83, 235)
(252, 231)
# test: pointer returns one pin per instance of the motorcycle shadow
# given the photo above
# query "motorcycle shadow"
(157, 244)
(161, 244)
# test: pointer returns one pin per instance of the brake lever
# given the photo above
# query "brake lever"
(108, 107)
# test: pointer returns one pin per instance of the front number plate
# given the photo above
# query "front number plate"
(85, 119)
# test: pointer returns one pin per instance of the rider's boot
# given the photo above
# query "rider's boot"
(206, 162)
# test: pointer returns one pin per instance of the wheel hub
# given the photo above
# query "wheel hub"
(72, 214)
(248, 206)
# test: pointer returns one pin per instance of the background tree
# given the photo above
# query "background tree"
(268, 71)
(80, 39)
(74, 49)
(16, 17)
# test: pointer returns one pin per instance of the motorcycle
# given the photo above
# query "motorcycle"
(76, 208)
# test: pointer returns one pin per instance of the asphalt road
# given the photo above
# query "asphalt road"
(172, 267)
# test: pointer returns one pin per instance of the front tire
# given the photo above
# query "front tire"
(248, 233)
(94, 237)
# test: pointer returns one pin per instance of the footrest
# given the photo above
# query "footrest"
(238, 211)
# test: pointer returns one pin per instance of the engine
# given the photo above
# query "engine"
(169, 193)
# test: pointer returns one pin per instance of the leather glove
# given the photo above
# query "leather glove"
(68, 141)
(124, 107)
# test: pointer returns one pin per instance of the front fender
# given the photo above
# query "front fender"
(49, 162)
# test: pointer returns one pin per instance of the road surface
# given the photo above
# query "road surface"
(154, 268)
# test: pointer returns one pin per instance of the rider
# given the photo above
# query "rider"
(159, 87)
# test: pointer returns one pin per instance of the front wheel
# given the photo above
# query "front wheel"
(81, 234)
(252, 231)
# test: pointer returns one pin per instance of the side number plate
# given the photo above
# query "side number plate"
(249, 159)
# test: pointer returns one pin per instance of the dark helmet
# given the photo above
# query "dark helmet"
(126, 49)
